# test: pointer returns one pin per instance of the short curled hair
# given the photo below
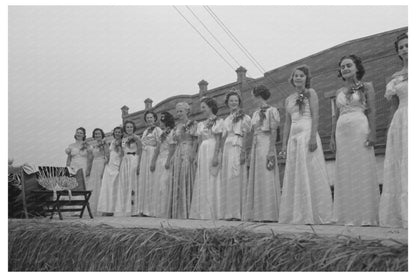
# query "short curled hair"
(261, 91)
(232, 93)
(211, 103)
(83, 130)
(398, 39)
(151, 112)
(358, 64)
(306, 70)
(127, 122)
(117, 128)
(167, 119)
(101, 131)
(184, 105)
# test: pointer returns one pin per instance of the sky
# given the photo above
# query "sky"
(72, 66)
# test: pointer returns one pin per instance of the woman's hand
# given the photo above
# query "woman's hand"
(248, 159)
(271, 160)
(242, 157)
(370, 142)
(312, 144)
(152, 166)
(167, 164)
(332, 144)
(215, 160)
(87, 174)
(68, 151)
(193, 160)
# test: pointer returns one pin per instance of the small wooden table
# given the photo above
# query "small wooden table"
(53, 206)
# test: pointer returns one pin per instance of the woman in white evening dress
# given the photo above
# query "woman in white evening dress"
(234, 161)
(306, 193)
(356, 190)
(161, 165)
(110, 181)
(393, 202)
(130, 144)
(145, 196)
(96, 168)
(263, 187)
(205, 196)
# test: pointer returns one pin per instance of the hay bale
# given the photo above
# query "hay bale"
(52, 246)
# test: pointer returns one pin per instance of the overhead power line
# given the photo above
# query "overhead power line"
(217, 40)
(241, 47)
(235, 39)
(202, 36)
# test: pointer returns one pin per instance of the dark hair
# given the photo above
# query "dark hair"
(261, 91)
(398, 39)
(101, 131)
(306, 70)
(232, 93)
(127, 122)
(211, 103)
(358, 64)
(117, 128)
(167, 119)
(83, 130)
(151, 112)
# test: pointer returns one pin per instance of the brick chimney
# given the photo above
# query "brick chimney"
(203, 87)
(148, 104)
(241, 74)
(124, 111)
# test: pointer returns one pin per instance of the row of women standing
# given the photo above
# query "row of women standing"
(186, 169)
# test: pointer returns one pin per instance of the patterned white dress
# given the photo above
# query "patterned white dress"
(233, 183)
(110, 182)
(306, 193)
(182, 171)
(145, 195)
(393, 202)
(205, 196)
(162, 178)
(125, 205)
(263, 188)
(356, 192)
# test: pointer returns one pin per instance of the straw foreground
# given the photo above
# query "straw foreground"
(43, 246)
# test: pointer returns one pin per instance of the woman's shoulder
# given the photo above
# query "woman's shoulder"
(312, 92)
(72, 145)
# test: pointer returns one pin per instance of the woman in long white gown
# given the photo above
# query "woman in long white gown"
(263, 187)
(393, 202)
(161, 165)
(205, 196)
(110, 182)
(125, 205)
(234, 166)
(306, 193)
(96, 168)
(144, 197)
(356, 190)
